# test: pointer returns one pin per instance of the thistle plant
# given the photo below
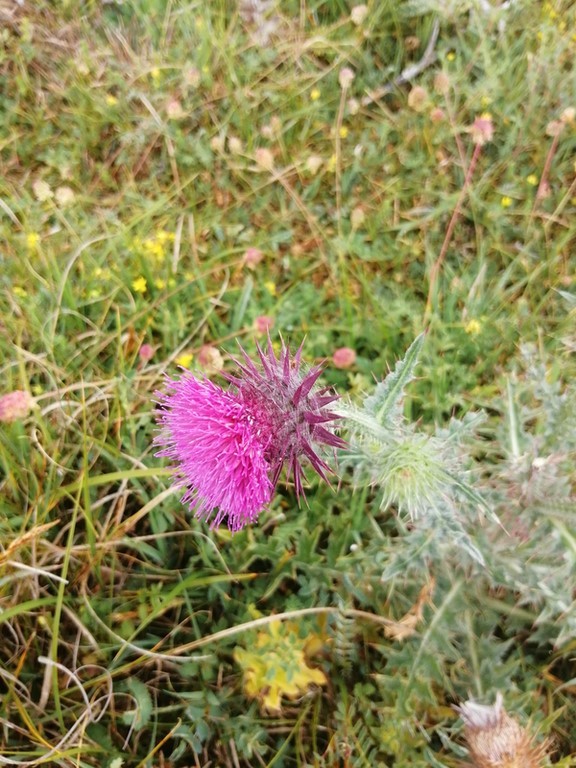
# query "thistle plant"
(531, 488)
(424, 477)
(229, 446)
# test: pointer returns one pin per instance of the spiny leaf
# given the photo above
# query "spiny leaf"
(384, 404)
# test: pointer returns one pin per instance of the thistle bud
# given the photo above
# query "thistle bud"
(496, 740)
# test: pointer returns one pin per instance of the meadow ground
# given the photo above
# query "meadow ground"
(179, 176)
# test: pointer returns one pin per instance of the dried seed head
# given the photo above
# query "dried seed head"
(496, 740)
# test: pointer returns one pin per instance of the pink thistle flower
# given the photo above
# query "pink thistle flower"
(229, 446)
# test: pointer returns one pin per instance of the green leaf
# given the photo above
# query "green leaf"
(139, 717)
(384, 404)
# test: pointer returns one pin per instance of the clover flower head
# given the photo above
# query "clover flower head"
(16, 405)
(229, 446)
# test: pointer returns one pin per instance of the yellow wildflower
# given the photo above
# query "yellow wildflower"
(32, 241)
(473, 327)
(154, 248)
(343, 132)
(270, 286)
(139, 285)
(111, 100)
(532, 179)
(185, 359)
(450, 56)
(19, 291)
(164, 237)
(159, 284)
(331, 164)
(506, 201)
(314, 94)
(102, 274)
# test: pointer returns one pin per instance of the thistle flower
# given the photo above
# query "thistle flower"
(229, 446)
(496, 740)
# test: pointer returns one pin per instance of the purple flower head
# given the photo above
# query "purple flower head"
(229, 445)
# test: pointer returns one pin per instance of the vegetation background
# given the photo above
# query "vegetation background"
(176, 176)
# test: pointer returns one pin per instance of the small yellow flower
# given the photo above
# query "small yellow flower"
(111, 100)
(506, 201)
(185, 359)
(139, 285)
(102, 274)
(270, 286)
(155, 248)
(32, 241)
(450, 56)
(19, 291)
(532, 179)
(343, 132)
(159, 284)
(485, 101)
(331, 164)
(473, 327)
(199, 22)
(164, 237)
(155, 74)
(315, 94)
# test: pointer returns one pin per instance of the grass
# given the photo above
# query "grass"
(145, 147)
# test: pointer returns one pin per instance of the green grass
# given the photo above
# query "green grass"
(134, 177)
